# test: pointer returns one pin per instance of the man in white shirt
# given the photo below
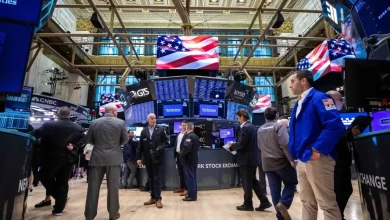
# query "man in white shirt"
(182, 189)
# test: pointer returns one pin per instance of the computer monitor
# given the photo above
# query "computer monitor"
(206, 88)
(171, 88)
(226, 133)
(209, 108)
(172, 109)
(176, 127)
(232, 109)
(381, 120)
(227, 140)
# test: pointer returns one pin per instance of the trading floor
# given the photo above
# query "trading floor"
(211, 205)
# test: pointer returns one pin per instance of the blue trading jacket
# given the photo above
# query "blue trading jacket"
(318, 126)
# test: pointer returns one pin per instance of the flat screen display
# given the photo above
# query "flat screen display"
(241, 93)
(348, 118)
(232, 109)
(209, 108)
(107, 98)
(210, 88)
(171, 89)
(24, 11)
(14, 55)
(172, 108)
(381, 120)
(12, 119)
(139, 113)
(176, 127)
(374, 16)
(227, 140)
(140, 92)
(22, 102)
(226, 133)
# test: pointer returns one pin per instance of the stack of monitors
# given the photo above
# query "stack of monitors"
(232, 109)
(172, 98)
(348, 118)
(381, 120)
(227, 134)
(209, 98)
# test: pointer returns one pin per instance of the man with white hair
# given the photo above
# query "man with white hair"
(107, 134)
(150, 151)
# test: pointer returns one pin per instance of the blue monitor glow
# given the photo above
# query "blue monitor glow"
(226, 133)
(22, 102)
(139, 113)
(22, 11)
(2, 38)
(209, 108)
(210, 88)
(232, 109)
(171, 89)
(227, 140)
(176, 127)
(381, 120)
(14, 56)
(173, 108)
(348, 118)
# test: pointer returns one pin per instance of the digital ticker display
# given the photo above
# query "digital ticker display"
(141, 111)
(209, 108)
(210, 89)
(171, 89)
(232, 109)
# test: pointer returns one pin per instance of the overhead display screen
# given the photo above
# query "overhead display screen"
(172, 109)
(171, 89)
(15, 50)
(381, 120)
(22, 102)
(226, 133)
(210, 88)
(374, 16)
(232, 109)
(209, 108)
(23, 11)
(139, 113)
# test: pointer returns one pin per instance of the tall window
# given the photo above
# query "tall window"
(108, 49)
(232, 50)
(262, 51)
(105, 89)
(262, 81)
(140, 49)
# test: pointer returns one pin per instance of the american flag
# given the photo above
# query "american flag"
(327, 57)
(187, 52)
(263, 102)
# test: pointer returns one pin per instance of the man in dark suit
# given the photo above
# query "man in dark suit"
(189, 157)
(179, 140)
(151, 146)
(248, 160)
(107, 134)
(58, 152)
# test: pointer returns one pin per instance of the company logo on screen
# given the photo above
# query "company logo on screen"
(9, 2)
(208, 110)
(140, 93)
(385, 121)
(239, 93)
(332, 12)
(173, 110)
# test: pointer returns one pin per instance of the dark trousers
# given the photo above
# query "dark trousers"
(249, 183)
(55, 180)
(287, 175)
(342, 187)
(236, 176)
(191, 181)
(180, 169)
(129, 174)
(154, 171)
(263, 182)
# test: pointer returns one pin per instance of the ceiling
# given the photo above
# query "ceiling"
(204, 14)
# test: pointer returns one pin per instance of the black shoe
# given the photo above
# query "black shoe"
(188, 199)
(43, 203)
(244, 208)
(263, 206)
(56, 213)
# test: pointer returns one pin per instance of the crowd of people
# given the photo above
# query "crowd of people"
(315, 137)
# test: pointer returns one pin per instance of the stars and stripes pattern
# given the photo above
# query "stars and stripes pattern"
(327, 57)
(187, 52)
(263, 102)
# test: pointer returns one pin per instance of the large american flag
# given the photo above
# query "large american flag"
(187, 52)
(263, 102)
(327, 57)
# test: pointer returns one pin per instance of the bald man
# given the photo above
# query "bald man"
(150, 151)
(107, 134)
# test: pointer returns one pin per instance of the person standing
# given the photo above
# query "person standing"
(248, 160)
(277, 162)
(60, 141)
(189, 158)
(315, 128)
(107, 134)
(151, 147)
(182, 189)
(342, 173)
(129, 152)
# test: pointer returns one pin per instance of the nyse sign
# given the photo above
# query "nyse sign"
(332, 12)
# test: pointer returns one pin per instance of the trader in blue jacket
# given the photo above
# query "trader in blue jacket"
(315, 128)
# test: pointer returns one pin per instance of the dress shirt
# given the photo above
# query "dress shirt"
(301, 99)
(151, 129)
(179, 139)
